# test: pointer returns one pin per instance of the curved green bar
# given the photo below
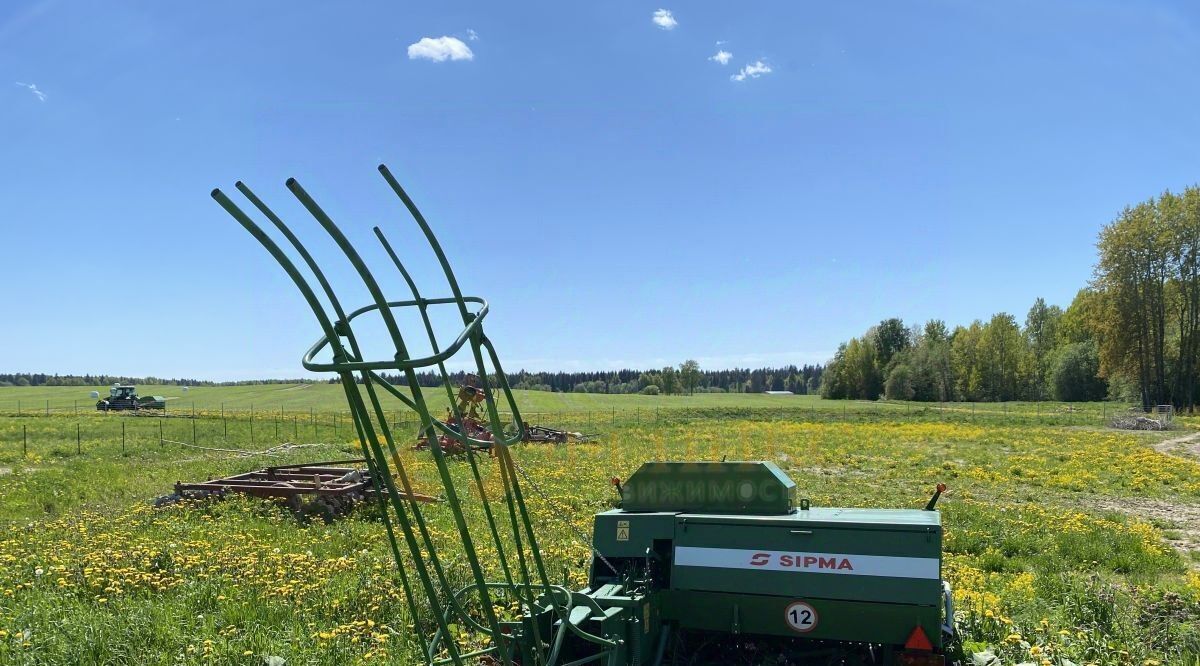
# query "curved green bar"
(419, 563)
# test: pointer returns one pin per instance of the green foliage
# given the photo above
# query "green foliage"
(891, 338)
(1041, 331)
(1148, 287)
(689, 375)
(964, 359)
(1003, 359)
(997, 361)
(1073, 373)
(899, 384)
(670, 380)
(649, 389)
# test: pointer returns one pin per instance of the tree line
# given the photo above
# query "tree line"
(1147, 304)
(1052, 356)
(44, 379)
(1132, 334)
(687, 378)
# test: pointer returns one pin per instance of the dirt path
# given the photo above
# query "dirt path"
(1179, 522)
(1185, 446)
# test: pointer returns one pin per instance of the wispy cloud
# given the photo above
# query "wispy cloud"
(722, 56)
(440, 49)
(664, 19)
(751, 71)
(33, 89)
(472, 35)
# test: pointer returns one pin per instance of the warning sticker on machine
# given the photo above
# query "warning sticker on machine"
(824, 563)
(622, 530)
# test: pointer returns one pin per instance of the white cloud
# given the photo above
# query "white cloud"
(664, 19)
(472, 35)
(440, 49)
(753, 71)
(33, 89)
(722, 57)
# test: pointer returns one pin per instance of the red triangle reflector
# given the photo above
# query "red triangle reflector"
(917, 640)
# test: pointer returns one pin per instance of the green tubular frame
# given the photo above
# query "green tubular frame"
(420, 569)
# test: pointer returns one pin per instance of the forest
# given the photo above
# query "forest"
(1131, 334)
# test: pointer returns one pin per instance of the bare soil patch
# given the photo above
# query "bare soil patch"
(1180, 521)
(1187, 446)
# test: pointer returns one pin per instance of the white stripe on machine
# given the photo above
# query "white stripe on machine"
(824, 563)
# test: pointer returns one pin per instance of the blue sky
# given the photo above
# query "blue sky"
(618, 194)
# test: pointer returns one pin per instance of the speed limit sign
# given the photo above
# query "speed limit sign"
(800, 617)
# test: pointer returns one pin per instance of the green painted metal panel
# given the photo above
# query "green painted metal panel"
(826, 559)
(719, 487)
(891, 519)
(834, 619)
(623, 534)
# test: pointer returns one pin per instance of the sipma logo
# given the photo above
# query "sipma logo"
(800, 561)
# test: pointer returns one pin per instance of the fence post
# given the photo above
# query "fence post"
(252, 424)
(160, 433)
(78, 438)
(193, 430)
(24, 440)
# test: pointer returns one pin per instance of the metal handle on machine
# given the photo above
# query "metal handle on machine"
(802, 532)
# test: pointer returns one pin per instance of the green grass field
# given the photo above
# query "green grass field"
(1065, 541)
(328, 398)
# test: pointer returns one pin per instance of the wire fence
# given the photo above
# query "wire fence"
(58, 431)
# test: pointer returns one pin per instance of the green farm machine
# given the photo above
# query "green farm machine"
(701, 563)
(122, 398)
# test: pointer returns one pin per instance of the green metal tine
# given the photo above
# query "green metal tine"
(477, 477)
(529, 586)
(376, 474)
(502, 452)
(358, 410)
(401, 356)
(457, 293)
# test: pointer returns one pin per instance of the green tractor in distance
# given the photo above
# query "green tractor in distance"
(123, 398)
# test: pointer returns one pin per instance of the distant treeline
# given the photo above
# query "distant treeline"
(1054, 355)
(687, 378)
(1132, 334)
(43, 379)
